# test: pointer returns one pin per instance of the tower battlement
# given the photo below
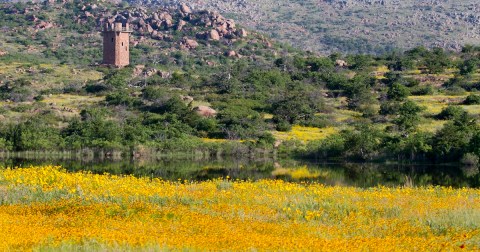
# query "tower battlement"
(117, 27)
(116, 44)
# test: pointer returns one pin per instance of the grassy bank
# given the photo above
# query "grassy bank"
(46, 208)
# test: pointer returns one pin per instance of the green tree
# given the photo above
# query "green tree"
(360, 95)
(240, 122)
(364, 142)
(456, 138)
(408, 118)
(34, 134)
(437, 60)
(93, 130)
(451, 112)
(469, 66)
(397, 92)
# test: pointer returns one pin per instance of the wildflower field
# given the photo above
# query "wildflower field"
(304, 134)
(48, 208)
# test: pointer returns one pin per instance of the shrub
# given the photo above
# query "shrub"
(154, 94)
(472, 99)
(408, 116)
(120, 98)
(118, 78)
(455, 90)
(389, 108)
(39, 98)
(398, 92)
(72, 88)
(266, 139)
(470, 159)
(332, 146)
(469, 66)
(422, 90)
(319, 122)
(283, 126)
(451, 112)
(410, 82)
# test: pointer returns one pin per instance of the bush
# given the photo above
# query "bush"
(469, 66)
(73, 88)
(389, 108)
(408, 116)
(398, 92)
(319, 122)
(283, 126)
(120, 98)
(455, 90)
(422, 90)
(39, 98)
(20, 94)
(472, 99)
(410, 82)
(451, 112)
(266, 139)
(332, 146)
(96, 88)
(118, 78)
(470, 159)
(154, 94)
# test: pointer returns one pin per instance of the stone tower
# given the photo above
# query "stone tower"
(116, 49)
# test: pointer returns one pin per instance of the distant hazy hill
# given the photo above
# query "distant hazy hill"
(354, 25)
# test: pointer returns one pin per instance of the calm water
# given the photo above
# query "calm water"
(359, 175)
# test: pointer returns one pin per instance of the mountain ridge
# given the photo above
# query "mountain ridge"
(353, 26)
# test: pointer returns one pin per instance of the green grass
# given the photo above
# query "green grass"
(45, 76)
(88, 245)
(430, 125)
(434, 104)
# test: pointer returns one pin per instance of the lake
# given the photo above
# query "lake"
(346, 174)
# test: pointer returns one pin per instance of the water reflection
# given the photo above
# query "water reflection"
(358, 175)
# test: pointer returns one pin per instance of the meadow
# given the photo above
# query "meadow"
(48, 209)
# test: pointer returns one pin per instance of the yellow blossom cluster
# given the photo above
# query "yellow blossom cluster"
(50, 208)
(305, 134)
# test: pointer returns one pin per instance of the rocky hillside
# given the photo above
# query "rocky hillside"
(70, 32)
(54, 48)
(354, 25)
(199, 81)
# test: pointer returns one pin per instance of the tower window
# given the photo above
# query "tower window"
(122, 43)
(112, 39)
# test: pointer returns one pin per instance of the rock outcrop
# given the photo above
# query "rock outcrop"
(242, 33)
(231, 54)
(187, 99)
(341, 63)
(182, 27)
(189, 43)
(160, 23)
(213, 35)
(42, 25)
(205, 111)
(185, 9)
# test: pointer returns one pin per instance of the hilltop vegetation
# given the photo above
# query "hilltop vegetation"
(199, 81)
(354, 26)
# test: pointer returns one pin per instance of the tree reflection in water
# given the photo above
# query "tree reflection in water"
(348, 174)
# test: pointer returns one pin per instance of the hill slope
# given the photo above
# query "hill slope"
(354, 25)
(199, 81)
